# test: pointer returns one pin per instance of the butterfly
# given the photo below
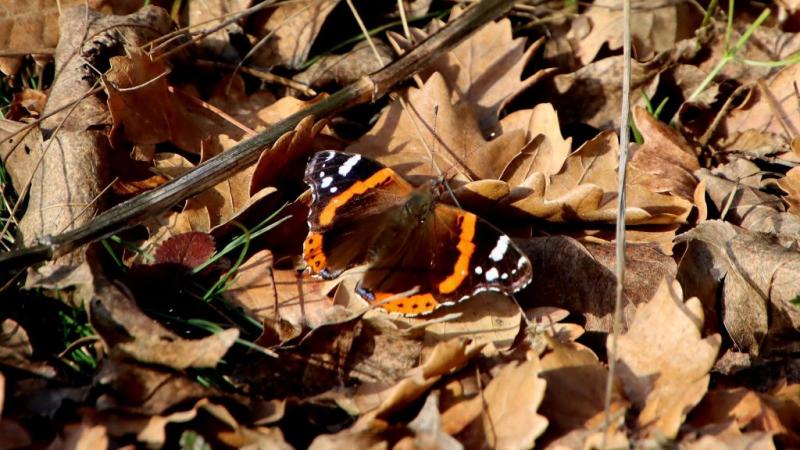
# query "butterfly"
(364, 212)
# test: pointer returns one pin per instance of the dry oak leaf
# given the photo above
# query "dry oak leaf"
(653, 28)
(146, 110)
(381, 401)
(128, 332)
(586, 187)
(545, 150)
(588, 269)
(484, 71)
(509, 418)
(290, 30)
(754, 276)
(449, 130)
(666, 156)
(663, 361)
(30, 28)
(82, 436)
(600, 92)
(731, 438)
(775, 413)
(16, 350)
(790, 184)
(745, 204)
(576, 384)
(209, 13)
(770, 108)
(273, 294)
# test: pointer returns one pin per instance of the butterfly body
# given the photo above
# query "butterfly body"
(363, 212)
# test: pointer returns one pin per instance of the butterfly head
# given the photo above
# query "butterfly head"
(420, 203)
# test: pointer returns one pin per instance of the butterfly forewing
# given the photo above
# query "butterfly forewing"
(350, 194)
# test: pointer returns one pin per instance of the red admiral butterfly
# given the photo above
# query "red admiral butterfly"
(364, 212)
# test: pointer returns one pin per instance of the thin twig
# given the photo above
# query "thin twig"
(624, 135)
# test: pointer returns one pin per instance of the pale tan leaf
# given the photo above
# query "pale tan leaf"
(664, 362)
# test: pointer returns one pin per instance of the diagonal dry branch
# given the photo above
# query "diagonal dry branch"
(221, 167)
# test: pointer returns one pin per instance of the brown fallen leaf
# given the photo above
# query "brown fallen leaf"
(128, 332)
(268, 293)
(450, 131)
(79, 149)
(735, 189)
(598, 87)
(770, 108)
(663, 361)
(665, 156)
(205, 13)
(485, 70)
(341, 70)
(587, 269)
(585, 188)
(731, 438)
(289, 30)
(753, 275)
(188, 250)
(12, 434)
(575, 395)
(16, 350)
(83, 436)
(381, 401)
(654, 28)
(790, 184)
(752, 411)
(509, 419)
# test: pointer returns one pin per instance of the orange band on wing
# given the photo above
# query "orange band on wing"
(413, 304)
(358, 188)
(465, 250)
(313, 254)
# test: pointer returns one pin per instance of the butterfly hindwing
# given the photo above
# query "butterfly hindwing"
(448, 258)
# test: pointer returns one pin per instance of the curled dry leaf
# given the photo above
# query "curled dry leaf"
(732, 439)
(381, 401)
(16, 350)
(771, 108)
(344, 69)
(128, 332)
(509, 418)
(754, 275)
(734, 189)
(776, 413)
(484, 70)
(665, 156)
(790, 184)
(663, 361)
(576, 385)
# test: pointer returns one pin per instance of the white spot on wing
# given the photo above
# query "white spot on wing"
(522, 261)
(334, 189)
(499, 250)
(326, 182)
(322, 174)
(330, 155)
(479, 270)
(345, 168)
(492, 274)
(504, 276)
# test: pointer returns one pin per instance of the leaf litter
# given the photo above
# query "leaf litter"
(199, 327)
